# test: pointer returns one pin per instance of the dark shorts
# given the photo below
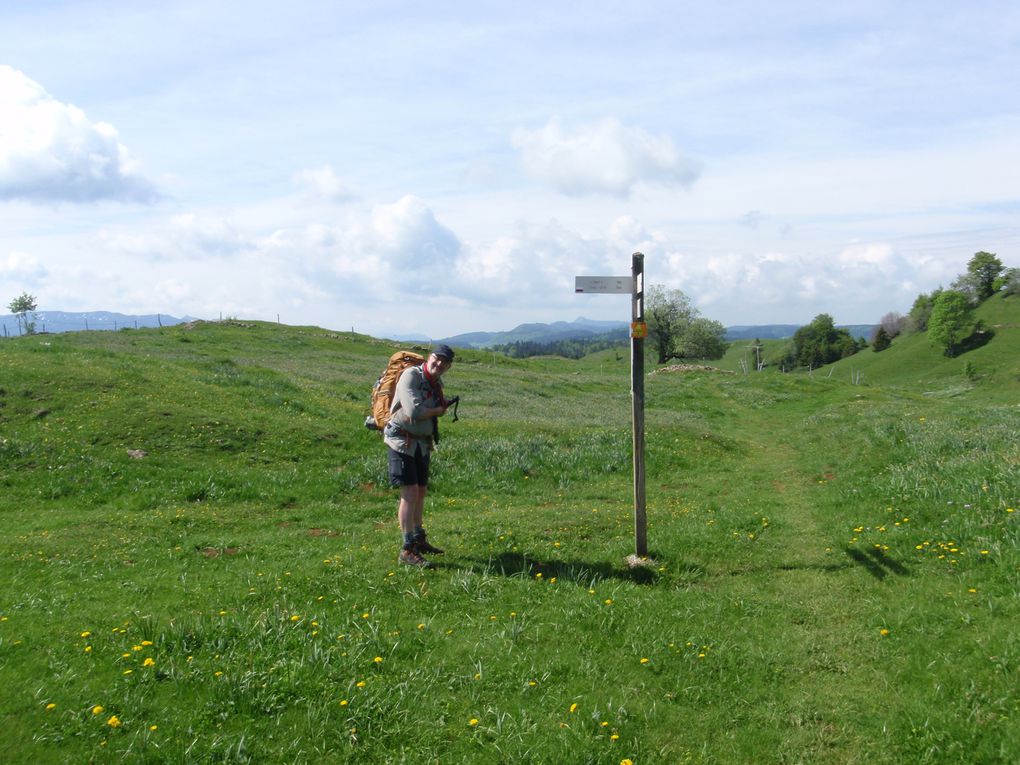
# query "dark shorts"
(409, 471)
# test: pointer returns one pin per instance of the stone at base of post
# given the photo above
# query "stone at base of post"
(640, 561)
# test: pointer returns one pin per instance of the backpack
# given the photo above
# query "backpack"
(386, 385)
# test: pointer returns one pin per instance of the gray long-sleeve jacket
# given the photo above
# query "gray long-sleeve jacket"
(408, 426)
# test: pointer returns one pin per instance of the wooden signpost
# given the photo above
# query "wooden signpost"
(634, 285)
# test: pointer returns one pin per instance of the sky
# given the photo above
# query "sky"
(437, 168)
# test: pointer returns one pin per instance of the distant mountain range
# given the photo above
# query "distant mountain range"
(62, 321)
(586, 328)
(538, 333)
(579, 329)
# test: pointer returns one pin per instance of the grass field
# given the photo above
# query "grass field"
(199, 558)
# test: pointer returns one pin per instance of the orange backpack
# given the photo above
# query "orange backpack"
(386, 385)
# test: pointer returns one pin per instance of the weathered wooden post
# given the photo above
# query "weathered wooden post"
(635, 286)
(638, 332)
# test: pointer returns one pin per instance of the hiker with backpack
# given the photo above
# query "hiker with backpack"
(410, 436)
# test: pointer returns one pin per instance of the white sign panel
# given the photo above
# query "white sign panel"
(614, 285)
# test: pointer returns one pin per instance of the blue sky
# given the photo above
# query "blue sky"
(439, 168)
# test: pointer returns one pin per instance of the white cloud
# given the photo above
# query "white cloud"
(606, 157)
(51, 152)
(323, 183)
(184, 236)
(23, 266)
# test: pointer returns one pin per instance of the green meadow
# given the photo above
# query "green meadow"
(199, 557)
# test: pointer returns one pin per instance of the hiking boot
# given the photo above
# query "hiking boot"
(422, 545)
(412, 558)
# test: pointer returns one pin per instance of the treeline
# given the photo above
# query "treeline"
(571, 348)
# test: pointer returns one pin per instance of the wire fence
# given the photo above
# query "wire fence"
(44, 324)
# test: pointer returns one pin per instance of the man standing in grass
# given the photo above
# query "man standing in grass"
(417, 401)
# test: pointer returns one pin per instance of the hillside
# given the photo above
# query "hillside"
(912, 363)
(199, 559)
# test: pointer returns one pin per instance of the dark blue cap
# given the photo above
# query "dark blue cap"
(444, 351)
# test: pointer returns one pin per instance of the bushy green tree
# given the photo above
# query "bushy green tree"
(21, 307)
(820, 342)
(952, 322)
(702, 339)
(668, 313)
(677, 330)
(982, 271)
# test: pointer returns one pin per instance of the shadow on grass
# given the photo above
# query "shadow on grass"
(518, 564)
(877, 563)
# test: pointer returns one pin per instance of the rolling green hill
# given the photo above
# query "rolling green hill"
(199, 558)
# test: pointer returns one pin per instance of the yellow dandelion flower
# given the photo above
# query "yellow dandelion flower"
(86, 634)
(573, 708)
(295, 618)
(149, 662)
(377, 659)
(553, 580)
(88, 649)
(50, 706)
(365, 615)
(614, 737)
(218, 673)
(883, 632)
(146, 642)
(626, 761)
(113, 722)
(343, 702)
(608, 601)
(473, 722)
(603, 724)
(421, 626)
(97, 710)
(644, 661)
(360, 684)
(153, 727)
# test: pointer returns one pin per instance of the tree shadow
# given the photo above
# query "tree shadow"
(980, 338)
(877, 563)
(511, 564)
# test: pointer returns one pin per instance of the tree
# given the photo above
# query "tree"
(21, 307)
(881, 340)
(820, 342)
(952, 322)
(982, 271)
(920, 312)
(893, 323)
(669, 313)
(1009, 282)
(702, 339)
